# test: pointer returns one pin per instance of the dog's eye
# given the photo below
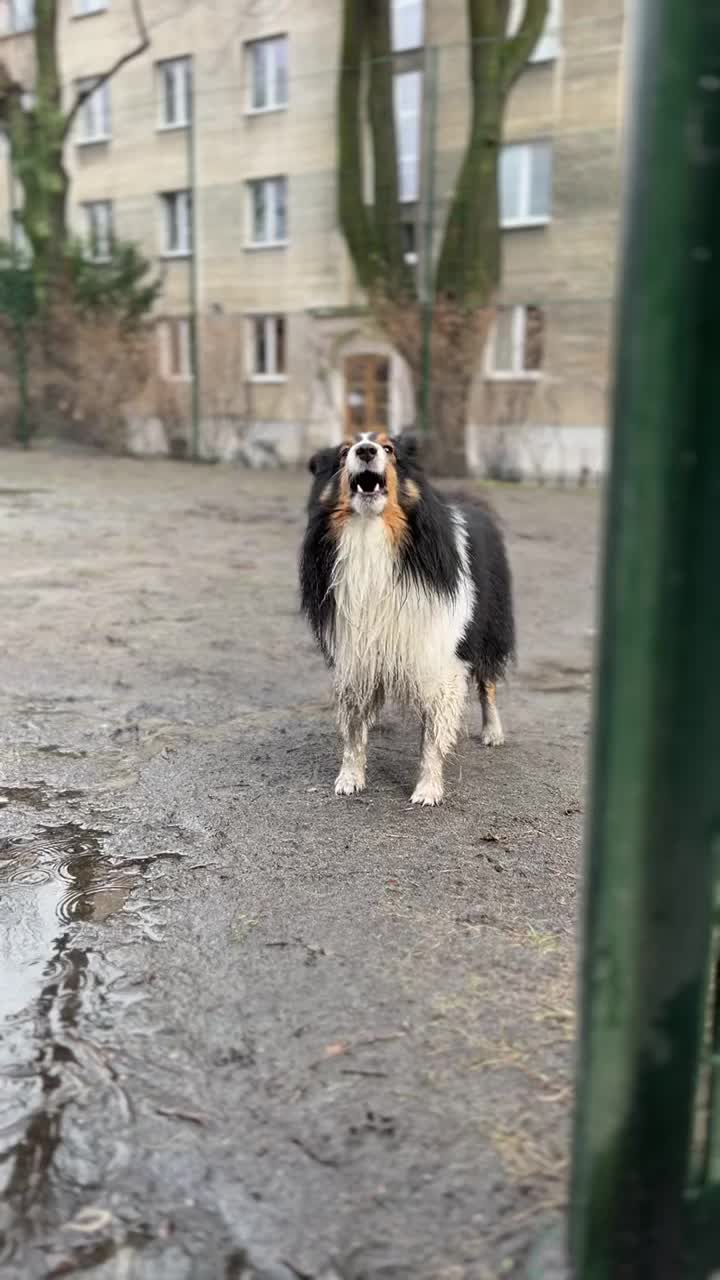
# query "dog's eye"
(388, 448)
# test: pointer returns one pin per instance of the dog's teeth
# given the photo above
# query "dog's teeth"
(377, 487)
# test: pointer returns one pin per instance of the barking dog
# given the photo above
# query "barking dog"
(408, 595)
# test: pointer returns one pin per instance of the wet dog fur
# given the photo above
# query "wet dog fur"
(409, 595)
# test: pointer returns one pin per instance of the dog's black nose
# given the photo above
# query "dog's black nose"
(366, 452)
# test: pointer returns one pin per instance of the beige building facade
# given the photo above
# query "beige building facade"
(215, 149)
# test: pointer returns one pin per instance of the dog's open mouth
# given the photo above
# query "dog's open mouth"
(368, 483)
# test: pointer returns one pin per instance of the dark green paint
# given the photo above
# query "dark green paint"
(655, 819)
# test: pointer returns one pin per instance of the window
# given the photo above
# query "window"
(84, 7)
(525, 184)
(176, 349)
(407, 19)
(268, 74)
(94, 113)
(17, 16)
(516, 346)
(177, 223)
(548, 46)
(174, 80)
(409, 242)
(407, 94)
(99, 229)
(267, 352)
(267, 212)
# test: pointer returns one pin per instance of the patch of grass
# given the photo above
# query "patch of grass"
(529, 1158)
(545, 943)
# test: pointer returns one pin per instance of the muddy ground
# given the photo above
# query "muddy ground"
(247, 1028)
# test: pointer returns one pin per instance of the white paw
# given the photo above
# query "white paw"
(491, 737)
(427, 793)
(348, 783)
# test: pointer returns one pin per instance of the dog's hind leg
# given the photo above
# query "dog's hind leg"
(353, 725)
(442, 717)
(492, 730)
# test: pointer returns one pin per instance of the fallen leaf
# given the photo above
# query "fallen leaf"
(336, 1050)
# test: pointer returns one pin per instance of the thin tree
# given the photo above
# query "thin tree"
(37, 127)
(467, 266)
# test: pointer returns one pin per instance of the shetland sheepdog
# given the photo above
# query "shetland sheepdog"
(409, 595)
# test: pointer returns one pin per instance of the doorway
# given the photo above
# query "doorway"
(367, 393)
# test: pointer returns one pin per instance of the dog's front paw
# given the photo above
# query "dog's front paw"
(348, 783)
(492, 737)
(427, 793)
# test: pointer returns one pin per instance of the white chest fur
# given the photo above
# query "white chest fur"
(390, 633)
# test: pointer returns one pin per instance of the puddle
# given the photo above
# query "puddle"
(50, 879)
(54, 749)
(36, 796)
(54, 879)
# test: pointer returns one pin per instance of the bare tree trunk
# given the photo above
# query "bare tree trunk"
(458, 340)
(445, 451)
(467, 274)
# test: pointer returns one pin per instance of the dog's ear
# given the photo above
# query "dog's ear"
(313, 464)
(407, 447)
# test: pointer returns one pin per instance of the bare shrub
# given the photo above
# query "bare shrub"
(89, 370)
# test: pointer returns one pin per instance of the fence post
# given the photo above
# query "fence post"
(654, 835)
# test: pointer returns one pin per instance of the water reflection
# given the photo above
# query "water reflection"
(50, 880)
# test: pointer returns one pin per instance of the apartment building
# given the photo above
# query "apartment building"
(215, 151)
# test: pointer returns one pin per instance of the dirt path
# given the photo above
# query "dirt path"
(246, 1028)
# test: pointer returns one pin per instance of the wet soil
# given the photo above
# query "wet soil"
(247, 1029)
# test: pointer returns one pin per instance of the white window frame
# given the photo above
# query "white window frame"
(267, 48)
(518, 337)
(94, 232)
(185, 374)
(86, 8)
(182, 200)
(273, 240)
(549, 46)
(525, 218)
(18, 17)
(396, 7)
(179, 71)
(94, 115)
(269, 320)
(415, 115)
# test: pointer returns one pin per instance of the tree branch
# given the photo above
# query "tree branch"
(112, 70)
(383, 131)
(355, 223)
(517, 48)
(468, 268)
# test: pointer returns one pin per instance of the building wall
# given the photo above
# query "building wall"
(566, 267)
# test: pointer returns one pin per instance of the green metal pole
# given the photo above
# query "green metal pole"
(654, 831)
(194, 267)
(428, 265)
(21, 352)
(22, 430)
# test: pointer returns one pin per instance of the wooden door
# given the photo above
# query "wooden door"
(367, 393)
